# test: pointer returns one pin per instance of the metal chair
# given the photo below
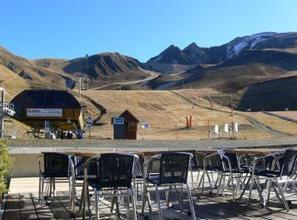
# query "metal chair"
(212, 163)
(279, 172)
(55, 168)
(231, 169)
(168, 169)
(76, 177)
(267, 163)
(115, 174)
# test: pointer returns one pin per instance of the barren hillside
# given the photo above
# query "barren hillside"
(166, 113)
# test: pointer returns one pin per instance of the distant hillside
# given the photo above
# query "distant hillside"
(250, 67)
(277, 94)
(54, 73)
(106, 66)
(218, 54)
(19, 70)
(171, 60)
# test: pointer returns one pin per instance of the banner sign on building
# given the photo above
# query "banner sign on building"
(118, 120)
(44, 112)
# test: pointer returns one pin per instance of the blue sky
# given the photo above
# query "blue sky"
(138, 28)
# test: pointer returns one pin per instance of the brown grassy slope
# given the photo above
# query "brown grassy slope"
(12, 82)
(166, 112)
(33, 73)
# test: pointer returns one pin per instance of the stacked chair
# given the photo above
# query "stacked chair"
(114, 178)
(76, 166)
(278, 171)
(167, 171)
(55, 169)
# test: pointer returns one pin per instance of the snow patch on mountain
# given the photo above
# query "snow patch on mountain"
(247, 42)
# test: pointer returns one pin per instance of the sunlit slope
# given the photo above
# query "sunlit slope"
(166, 113)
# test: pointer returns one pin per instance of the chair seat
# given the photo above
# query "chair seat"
(268, 173)
(153, 178)
(241, 170)
(53, 175)
(79, 177)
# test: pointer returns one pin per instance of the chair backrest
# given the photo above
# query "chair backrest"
(56, 165)
(78, 165)
(199, 159)
(214, 162)
(116, 170)
(288, 162)
(174, 167)
(195, 165)
(229, 160)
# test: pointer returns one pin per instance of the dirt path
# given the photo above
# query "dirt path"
(280, 116)
(153, 75)
(252, 120)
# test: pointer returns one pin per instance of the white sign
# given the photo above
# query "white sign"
(145, 125)
(235, 127)
(216, 129)
(44, 112)
(118, 120)
(226, 128)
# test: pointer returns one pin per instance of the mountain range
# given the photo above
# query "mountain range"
(243, 67)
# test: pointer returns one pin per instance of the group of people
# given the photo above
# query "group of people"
(60, 134)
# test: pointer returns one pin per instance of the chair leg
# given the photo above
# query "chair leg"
(42, 191)
(282, 195)
(73, 196)
(269, 183)
(192, 180)
(202, 181)
(39, 189)
(260, 190)
(197, 179)
(220, 183)
(210, 182)
(181, 198)
(191, 203)
(54, 187)
(146, 198)
(134, 199)
(232, 183)
(96, 204)
(70, 192)
(168, 195)
(159, 203)
(251, 188)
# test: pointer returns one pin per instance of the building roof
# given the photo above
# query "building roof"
(45, 99)
(129, 117)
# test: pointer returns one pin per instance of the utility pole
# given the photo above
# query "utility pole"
(79, 86)
(2, 95)
(232, 107)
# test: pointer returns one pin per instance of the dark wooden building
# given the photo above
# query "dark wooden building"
(125, 126)
(59, 107)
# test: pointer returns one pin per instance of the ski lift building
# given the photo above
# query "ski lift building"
(59, 107)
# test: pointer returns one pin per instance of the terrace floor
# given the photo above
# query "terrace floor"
(22, 203)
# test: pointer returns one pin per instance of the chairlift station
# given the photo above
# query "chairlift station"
(59, 107)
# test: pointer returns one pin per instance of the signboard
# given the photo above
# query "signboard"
(145, 125)
(118, 120)
(44, 112)
(89, 122)
(226, 128)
